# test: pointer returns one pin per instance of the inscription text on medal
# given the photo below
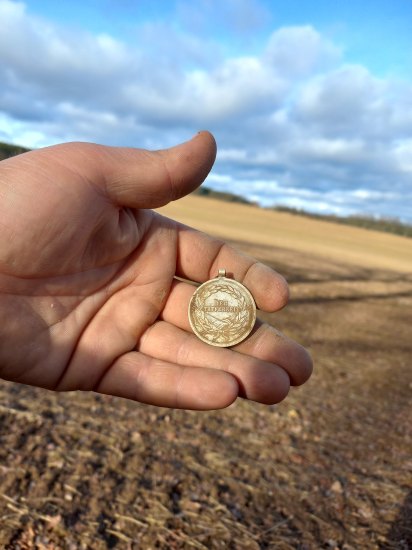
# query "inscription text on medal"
(221, 306)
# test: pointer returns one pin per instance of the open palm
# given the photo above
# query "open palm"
(89, 298)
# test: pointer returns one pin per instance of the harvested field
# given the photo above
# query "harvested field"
(330, 467)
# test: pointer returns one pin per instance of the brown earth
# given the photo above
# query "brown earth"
(330, 467)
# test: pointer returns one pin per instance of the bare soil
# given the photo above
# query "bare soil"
(330, 467)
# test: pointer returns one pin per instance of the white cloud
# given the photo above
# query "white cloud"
(403, 155)
(343, 100)
(298, 51)
(35, 49)
(337, 150)
(294, 123)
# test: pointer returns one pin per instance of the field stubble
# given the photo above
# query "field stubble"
(331, 467)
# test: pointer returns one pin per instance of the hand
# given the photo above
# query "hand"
(88, 294)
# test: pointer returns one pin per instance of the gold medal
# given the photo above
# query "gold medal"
(222, 312)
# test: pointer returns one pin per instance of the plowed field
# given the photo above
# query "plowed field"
(330, 467)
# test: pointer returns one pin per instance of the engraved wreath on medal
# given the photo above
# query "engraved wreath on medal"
(222, 311)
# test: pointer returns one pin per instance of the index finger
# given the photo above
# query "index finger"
(200, 257)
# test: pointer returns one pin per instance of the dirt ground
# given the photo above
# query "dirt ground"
(330, 467)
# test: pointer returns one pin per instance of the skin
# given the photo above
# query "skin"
(89, 298)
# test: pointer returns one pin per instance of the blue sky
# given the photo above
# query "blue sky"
(376, 33)
(310, 102)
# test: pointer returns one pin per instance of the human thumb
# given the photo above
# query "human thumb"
(139, 178)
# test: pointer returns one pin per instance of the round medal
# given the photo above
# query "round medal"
(222, 312)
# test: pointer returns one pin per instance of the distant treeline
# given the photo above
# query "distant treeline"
(7, 150)
(227, 197)
(387, 225)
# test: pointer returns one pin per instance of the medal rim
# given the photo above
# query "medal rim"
(244, 289)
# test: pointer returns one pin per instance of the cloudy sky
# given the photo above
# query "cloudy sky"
(310, 102)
